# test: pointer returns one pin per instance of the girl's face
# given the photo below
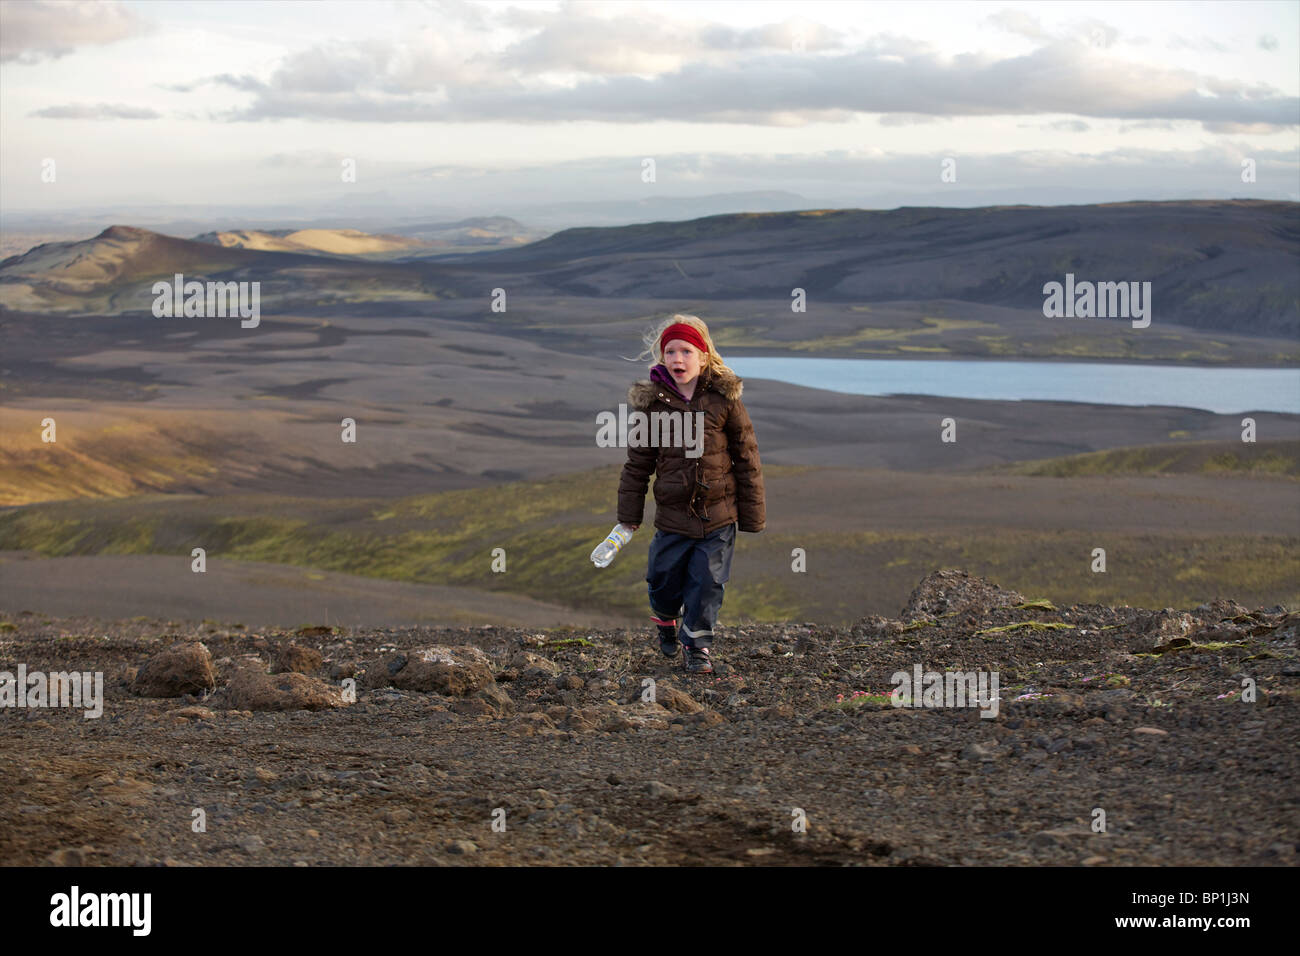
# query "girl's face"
(683, 361)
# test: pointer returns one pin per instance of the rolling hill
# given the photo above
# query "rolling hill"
(1224, 266)
(333, 242)
(1229, 265)
(114, 272)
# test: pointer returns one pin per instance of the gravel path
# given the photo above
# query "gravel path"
(1111, 716)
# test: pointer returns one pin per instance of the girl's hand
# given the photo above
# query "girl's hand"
(632, 527)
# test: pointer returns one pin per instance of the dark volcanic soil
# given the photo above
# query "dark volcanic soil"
(1121, 710)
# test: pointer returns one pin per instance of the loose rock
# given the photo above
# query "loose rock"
(302, 660)
(252, 689)
(183, 668)
(454, 671)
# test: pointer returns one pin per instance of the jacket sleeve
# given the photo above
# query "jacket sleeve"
(751, 505)
(634, 482)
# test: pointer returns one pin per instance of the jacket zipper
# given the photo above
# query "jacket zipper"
(691, 504)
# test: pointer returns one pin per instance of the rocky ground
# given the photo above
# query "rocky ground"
(507, 746)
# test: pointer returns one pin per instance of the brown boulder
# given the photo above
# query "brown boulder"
(302, 660)
(1221, 609)
(491, 701)
(583, 720)
(678, 701)
(643, 714)
(501, 702)
(534, 665)
(183, 668)
(453, 671)
(953, 592)
(1169, 624)
(254, 689)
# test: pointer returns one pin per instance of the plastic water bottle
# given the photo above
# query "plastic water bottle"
(606, 550)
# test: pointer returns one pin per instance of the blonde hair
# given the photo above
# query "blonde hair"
(712, 362)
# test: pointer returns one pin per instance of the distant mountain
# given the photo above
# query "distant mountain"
(607, 212)
(476, 226)
(1231, 265)
(471, 234)
(334, 242)
(1220, 264)
(407, 240)
(114, 273)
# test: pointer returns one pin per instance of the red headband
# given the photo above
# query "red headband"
(687, 333)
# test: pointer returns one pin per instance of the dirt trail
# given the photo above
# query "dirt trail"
(1136, 713)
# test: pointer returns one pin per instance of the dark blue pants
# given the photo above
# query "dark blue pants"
(688, 576)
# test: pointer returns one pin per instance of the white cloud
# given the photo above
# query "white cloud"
(390, 82)
(33, 30)
(1019, 22)
(99, 111)
(1198, 44)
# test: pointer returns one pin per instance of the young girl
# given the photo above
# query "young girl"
(700, 499)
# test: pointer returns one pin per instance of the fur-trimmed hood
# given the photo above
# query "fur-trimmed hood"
(725, 382)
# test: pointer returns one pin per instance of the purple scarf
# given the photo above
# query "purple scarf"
(661, 375)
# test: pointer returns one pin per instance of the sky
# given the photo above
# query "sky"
(492, 103)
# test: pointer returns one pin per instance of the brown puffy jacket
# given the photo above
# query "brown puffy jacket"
(695, 496)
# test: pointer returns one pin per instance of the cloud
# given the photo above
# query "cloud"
(247, 84)
(374, 83)
(1240, 128)
(1093, 32)
(461, 11)
(1019, 22)
(1199, 44)
(1062, 126)
(621, 64)
(1148, 124)
(100, 111)
(1267, 42)
(304, 159)
(907, 119)
(637, 41)
(33, 30)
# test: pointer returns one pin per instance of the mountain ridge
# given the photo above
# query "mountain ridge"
(1227, 265)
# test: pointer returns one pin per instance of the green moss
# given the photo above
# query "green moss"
(1275, 458)
(1029, 625)
(1039, 604)
(547, 529)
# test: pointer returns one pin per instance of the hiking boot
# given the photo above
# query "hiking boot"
(698, 660)
(667, 636)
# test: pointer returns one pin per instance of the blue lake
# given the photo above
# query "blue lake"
(1220, 390)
